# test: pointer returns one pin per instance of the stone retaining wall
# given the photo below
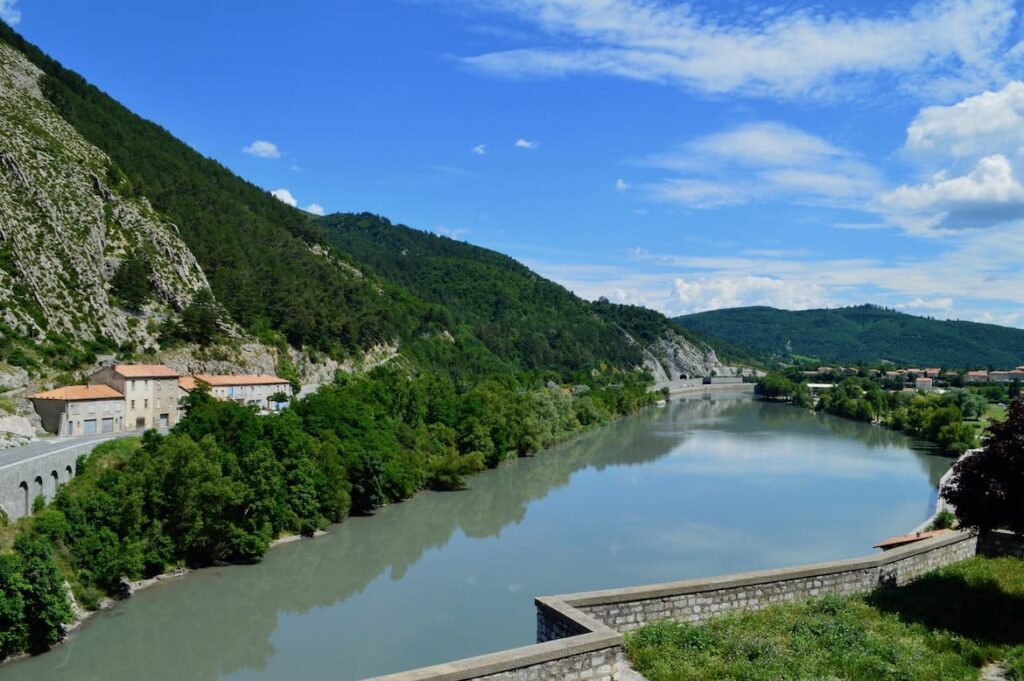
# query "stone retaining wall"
(1001, 543)
(580, 635)
(698, 600)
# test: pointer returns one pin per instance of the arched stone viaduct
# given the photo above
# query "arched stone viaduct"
(25, 476)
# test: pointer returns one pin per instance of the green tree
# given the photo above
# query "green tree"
(46, 601)
(987, 487)
(130, 282)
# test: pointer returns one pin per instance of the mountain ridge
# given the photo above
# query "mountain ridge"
(867, 334)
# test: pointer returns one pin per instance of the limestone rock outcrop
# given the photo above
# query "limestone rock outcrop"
(68, 220)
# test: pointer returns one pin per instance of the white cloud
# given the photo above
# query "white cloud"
(767, 143)
(527, 144)
(480, 149)
(781, 54)
(621, 185)
(989, 123)
(989, 194)
(696, 193)
(763, 160)
(262, 149)
(314, 208)
(284, 196)
(711, 293)
(295, 168)
(9, 13)
(452, 232)
(935, 305)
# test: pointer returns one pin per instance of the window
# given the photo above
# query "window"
(145, 383)
(133, 384)
(145, 403)
(133, 404)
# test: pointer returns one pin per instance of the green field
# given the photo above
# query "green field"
(946, 625)
(994, 412)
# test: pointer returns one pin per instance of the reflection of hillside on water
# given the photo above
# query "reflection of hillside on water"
(229, 614)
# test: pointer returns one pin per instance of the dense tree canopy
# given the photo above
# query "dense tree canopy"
(987, 487)
(863, 334)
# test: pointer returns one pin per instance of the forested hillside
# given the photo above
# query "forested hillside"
(256, 251)
(865, 333)
(520, 316)
(348, 283)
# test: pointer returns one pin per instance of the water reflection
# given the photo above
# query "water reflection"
(290, 615)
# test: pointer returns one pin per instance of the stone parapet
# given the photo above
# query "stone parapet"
(580, 635)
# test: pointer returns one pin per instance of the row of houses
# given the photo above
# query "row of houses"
(995, 376)
(134, 397)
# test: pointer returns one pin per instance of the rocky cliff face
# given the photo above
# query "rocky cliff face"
(673, 357)
(67, 222)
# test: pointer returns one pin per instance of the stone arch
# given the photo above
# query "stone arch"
(26, 508)
(38, 491)
(69, 471)
(54, 483)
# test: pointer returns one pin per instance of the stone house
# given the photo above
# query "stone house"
(922, 383)
(976, 377)
(248, 389)
(81, 410)
(150, 393)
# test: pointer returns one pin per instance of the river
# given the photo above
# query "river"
(697, 488)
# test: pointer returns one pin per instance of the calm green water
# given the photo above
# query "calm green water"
(701, 487)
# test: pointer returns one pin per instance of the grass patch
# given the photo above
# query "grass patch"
(945, 625)
(993, 413)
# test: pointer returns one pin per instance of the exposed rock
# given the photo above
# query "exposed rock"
(673, 357)
(12, 377)
(15, 431)
(65, 227)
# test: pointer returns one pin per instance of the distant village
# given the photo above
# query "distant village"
(922, 379)
(123, 398)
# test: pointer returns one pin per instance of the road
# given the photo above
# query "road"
(54, 445)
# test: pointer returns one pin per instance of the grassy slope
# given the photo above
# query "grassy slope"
(942, 626)
(864, 333)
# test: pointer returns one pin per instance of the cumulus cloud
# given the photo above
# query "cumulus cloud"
(696, 295)
(262, 149)
(314, 208)
(779, 54)
(988, 123)
(987, 195)
(9, 13)
(621, 185)
(480, 149)
(527, 144)
(920, 304)
(284, 196)
(762, 160)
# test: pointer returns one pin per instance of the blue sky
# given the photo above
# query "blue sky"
(684, 157)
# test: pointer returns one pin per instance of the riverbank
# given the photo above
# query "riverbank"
(606, 506)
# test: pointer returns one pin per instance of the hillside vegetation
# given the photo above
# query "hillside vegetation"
(347, 283)
(865, 334)
(945, 625)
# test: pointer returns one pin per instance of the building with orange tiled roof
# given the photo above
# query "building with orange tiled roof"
(251, 389)
(81, 409)
(150, 393)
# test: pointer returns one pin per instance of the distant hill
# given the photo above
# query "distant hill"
(523, 318)
(865, 333)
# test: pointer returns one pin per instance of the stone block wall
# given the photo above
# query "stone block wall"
(1001, 543)
(580, 635)
(600, 665)
(698, 600)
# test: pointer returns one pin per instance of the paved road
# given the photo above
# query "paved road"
(53, 445)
